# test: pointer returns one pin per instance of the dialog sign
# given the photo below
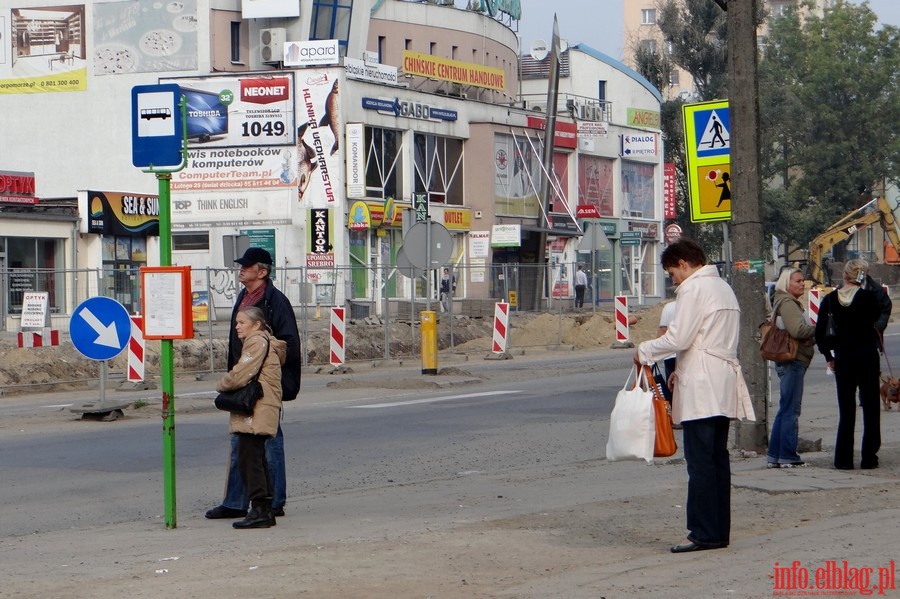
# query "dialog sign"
(156, 125)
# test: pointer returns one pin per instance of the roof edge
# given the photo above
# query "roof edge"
(621, 67)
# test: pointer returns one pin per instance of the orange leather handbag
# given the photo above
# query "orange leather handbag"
(664, 446)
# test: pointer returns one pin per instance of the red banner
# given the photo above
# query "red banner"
(669, 210)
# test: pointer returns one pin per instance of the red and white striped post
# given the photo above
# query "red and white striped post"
(338, 329)
(45, 338)
(815, 299)
(622, 330)
(501, 328)
(136, 347)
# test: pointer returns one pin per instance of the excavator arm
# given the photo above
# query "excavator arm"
(878, 210)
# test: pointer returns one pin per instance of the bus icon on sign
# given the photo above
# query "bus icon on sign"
(155, 113)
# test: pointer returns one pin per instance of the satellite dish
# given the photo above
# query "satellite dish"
(539, 50)
(563, 45)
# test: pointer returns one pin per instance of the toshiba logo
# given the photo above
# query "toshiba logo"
(265, 91)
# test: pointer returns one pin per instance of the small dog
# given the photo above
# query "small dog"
(890, 392)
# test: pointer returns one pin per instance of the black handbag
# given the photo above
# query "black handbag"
(660, 379)
(242, 401)
(830, 328)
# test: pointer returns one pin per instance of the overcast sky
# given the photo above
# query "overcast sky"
(598, 23)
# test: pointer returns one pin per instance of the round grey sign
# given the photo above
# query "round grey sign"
(405, 268)
(415, 242)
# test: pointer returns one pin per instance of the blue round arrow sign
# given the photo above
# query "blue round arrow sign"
(100, 328)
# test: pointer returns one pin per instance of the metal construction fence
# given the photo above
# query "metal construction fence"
(384, 296)
(366, 290)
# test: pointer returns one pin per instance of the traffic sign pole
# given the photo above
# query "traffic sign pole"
(166, 353)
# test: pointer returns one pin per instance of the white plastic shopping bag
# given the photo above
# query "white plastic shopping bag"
(632, 429)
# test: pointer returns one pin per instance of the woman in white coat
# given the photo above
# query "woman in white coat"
(709, 388)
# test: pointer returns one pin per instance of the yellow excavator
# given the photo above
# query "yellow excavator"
(879, 210)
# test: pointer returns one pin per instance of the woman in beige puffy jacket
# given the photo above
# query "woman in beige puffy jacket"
(265, 354)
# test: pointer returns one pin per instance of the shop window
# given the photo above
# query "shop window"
(438, 164)
(35, 265)
(559, 183)
(595, 183)
(637, 191)
(190, 241)
(384, 170)
(122, 258)
(648, 270)
(517, 175)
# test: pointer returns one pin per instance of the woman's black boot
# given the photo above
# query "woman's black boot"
(259, 516)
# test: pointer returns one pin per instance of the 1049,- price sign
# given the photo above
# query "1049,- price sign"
(239, 111)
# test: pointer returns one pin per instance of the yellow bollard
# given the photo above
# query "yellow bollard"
(429, 342)
(318, 311)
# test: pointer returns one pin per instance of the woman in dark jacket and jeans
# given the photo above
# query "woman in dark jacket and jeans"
(853, 355)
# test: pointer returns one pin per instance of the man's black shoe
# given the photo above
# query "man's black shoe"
(220, 512)
(692, 546)
(278, 512)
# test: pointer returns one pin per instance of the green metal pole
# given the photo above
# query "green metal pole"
(167, 360)
(166, 353)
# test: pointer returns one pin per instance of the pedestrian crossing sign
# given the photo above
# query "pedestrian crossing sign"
(707, 138)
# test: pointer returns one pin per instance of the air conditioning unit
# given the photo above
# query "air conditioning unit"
(271, 44)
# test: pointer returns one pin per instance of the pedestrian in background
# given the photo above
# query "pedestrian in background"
(259, 291)
(789, 315)
(852, 353)
(581, 284)
(448, 286)
(262, 354)
(709, 388)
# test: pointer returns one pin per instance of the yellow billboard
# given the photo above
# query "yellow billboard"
(455, 71)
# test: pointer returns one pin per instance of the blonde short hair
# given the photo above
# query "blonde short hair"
(785, 278)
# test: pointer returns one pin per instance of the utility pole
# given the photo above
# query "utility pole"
(549, 135)
(749, 283)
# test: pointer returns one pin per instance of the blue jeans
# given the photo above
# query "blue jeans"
(236, 495)
(786, 426)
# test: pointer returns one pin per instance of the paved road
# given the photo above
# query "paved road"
(499, 471)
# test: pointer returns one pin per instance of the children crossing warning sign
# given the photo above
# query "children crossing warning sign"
(707, 139)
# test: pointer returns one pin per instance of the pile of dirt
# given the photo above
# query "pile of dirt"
(63, 367)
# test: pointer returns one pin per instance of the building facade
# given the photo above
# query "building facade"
(319, 129)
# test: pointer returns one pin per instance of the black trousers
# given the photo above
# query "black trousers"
(251, 463)
(579, 295)
(709, 480)
(857, 370)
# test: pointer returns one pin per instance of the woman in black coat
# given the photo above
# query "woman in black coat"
(851, 351)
